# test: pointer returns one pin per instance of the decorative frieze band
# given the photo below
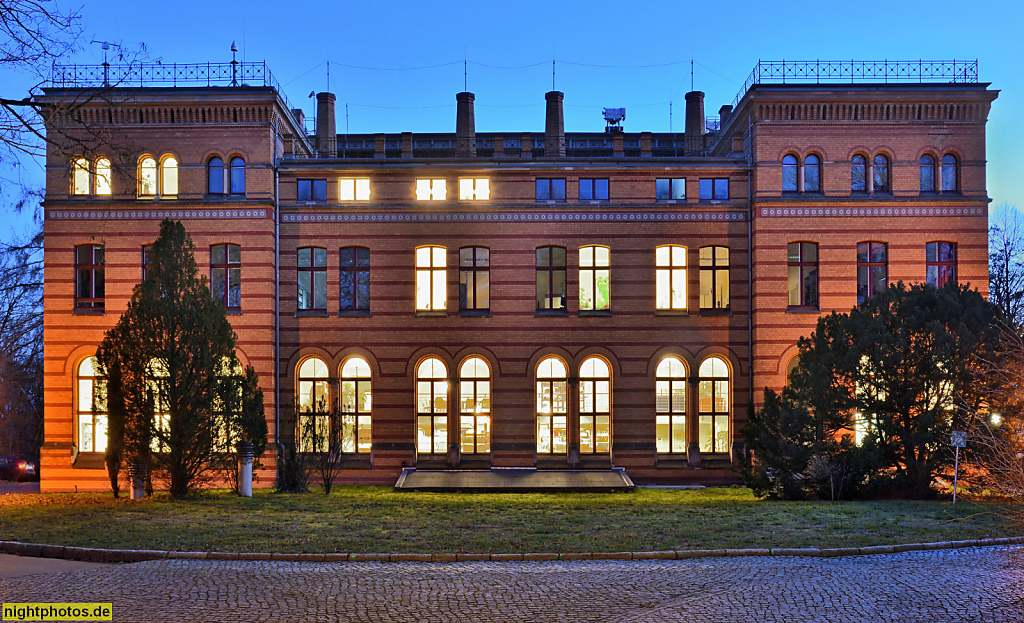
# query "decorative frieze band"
(121, 215)
(513, 217)
(877, 211)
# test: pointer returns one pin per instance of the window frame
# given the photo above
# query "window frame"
(103, 170)
(472, 273)
(714, 413)
(435, 416)
(319, 396)
(312, 185)
(816, 168)
(357, 272)
(474, 189)
(790, 168)
(801, 264)
(881, 165)
(81, 177)
(591, 415)
(552, 183)
(434, 307)
(210, 176)
(432, 183)
(163, 180)
(593, 184)
(930, 176)
(355, 411)
(950, 174)
(227, 267)
(357, 184)
(869, 266)
(142, 172)
(672, 183)
(97, 279)
(945, 270)
(236, 184)
(714, 270)
(669, 271)
(858, 161)
(312, 270)
(551, 270)
(675, 417)
(715, 183)
(477, 414)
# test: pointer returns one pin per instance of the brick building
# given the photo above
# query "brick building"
(523, 299)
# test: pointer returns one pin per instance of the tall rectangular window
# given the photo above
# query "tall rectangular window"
(714, 188)
(872, 269)
(595, 278)
(312, 190)
(147, 263)
(551, 279)
(226, 275)
(474, 279)
(312, 278)
(474, 189)
(431, 292)
(550, 189)
(714, 278)
(670, 262)
(431, 190)
(940, 263)
(355, 279)
(354, 189)
(89, 276)
(595, 189)
(802, 260)
(670, 189)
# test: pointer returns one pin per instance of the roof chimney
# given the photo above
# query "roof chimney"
(465, 126)
(554, 125)
(326, 132)
(694, 123)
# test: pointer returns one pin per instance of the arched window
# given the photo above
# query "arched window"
(713, 405)
(595, 406)
(475, 406)
(169, 176)
(552, 406)
(80, 177)
(356, 403)
(670, 408)
(789, 174)
(312, 402)
(237, 176)
(812, 174)
(92, 408)
(147, 177)
(949, 177)
(102, 181)
(791, 367)
(880, 174)
(432, 407)
(858, 177)
(215, 176)
(927, 174)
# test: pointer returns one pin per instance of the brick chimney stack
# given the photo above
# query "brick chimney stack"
(465, 126)
(326, 130)
(554, 125)
(694, 123)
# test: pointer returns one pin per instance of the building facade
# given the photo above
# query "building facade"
(543, 300)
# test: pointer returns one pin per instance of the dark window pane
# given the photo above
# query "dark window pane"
(348, 256)
(362, 256)
(84, 280)
(237, 176)
(347, 289)
(722, 188)
(862, 252)
(931, 252)
(558, 189)
(810, 283)
(793, 252)
(320, 289)
(879, 281)
(363, 289)
(863, 289)
(217, 254)
(234, 254)
(948, 173)
(234, 287)
(878, 252)
(932, 276)
(586, 189)
(558, 256)
(543, 256)
(947, 252)
(543, 189)
(858, 179)
(601, 189)
(218, 284)
(466, 256)
(927, 174)
(304, 295)
(465, 285)
(706, 189)
(810, 252)
(320, 257)
(216, 177)
(662, 189)
(319, 190)
(98, 285)
(789, 176)
(881, 173)
(304, 257)
(305, 190)
(812, 175)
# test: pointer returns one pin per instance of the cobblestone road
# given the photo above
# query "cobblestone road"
(979, 584)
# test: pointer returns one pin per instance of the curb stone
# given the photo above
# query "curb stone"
(94, 554)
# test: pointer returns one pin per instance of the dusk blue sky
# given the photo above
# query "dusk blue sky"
(724, 40)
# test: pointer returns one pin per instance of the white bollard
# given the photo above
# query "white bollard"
(137, 475)
(245, 475)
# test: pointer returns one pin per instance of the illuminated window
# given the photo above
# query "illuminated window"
(552, 406)
(595, 278)
(354, 189)
(356, 404)
(229, 379)
(475, 406)
(432, 407)
(312, 401)
(858, 174)
(92, 408)
(431, 190)
(159, 379)
(102, 176)
(312, 278)
(355, 279)
(880, 174)
(812, 174)
(940, 263)
(802, 259)
(714, 188)
(147, 177)
(670, 261)
(594, 189)
(431, 286)
(474, 189)
(872, 269)
(311, 190)
(89, 276)
(713, 406)
(670, 408)
(595, 406)
(670, 189)
(226, 275)
(168, 177)
(927, 174)
(714, 278)
(474, 279)
(551, 279)
(789, 174)
(237, 176)
(550, 189)
(215, 176)
(949, 177)
(80, 177)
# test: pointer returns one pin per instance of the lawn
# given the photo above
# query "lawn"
(378, 519)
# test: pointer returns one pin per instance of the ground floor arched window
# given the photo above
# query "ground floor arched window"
(552, 406)
(91, 412)
(356, 405)
(670, 406)
(713, 399)
(431, 407)
(595, 406)
(475, 406)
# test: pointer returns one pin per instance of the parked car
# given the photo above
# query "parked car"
(17, 470)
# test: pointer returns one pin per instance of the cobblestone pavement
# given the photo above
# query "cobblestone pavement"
(977, 584)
